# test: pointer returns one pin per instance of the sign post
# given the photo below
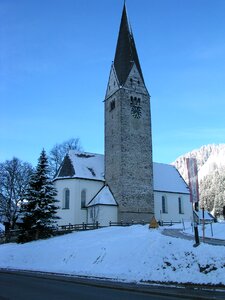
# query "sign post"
(194, 192)
(203, 224)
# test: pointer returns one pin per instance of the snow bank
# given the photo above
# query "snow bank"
(132, 254)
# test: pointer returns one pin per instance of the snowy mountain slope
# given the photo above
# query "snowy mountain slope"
(209, 159)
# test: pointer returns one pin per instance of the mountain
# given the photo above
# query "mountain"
(209, 159)
(211, 176)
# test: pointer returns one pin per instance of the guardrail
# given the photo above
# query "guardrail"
(78, 227)
(161, 223)
(122, 223)
(168, 223)
(62, 229)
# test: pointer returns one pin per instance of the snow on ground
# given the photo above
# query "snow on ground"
(132, 254)
(214, 230)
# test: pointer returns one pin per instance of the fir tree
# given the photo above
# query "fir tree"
(39, 209)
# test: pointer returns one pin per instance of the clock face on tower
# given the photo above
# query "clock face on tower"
(135, 104)
(136, 111)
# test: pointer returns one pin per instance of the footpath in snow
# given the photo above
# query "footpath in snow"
(214, 233)
(131, 254)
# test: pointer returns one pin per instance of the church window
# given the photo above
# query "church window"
(134, 101)
(138, 82)
(112, 105)
(83, 199)
(164, 205)
(66, 199)
(180, 205)
(131, 100)
(131, 81)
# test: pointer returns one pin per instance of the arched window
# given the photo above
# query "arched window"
(66, 199)
(83, 199)
(164, 205)
(180, 205)
(112, 104)
(131, 100)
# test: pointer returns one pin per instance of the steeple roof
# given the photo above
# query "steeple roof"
(126, 53)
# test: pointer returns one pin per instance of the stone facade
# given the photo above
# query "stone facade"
(128, 146)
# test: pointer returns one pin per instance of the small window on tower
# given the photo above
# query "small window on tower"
(112, 105)
(138, 82)
(131, 100)
(131, 81)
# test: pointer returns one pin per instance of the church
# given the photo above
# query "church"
(124, 183)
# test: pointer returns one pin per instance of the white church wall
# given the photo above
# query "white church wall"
(171, 208)
(103, 214)
(75, 214)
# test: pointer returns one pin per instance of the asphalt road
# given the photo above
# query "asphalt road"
(22, 286)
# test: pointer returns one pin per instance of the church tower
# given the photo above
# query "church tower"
(128, 140)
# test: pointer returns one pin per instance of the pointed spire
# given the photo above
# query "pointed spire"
(126, 53)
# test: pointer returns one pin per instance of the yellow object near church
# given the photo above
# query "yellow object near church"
(153, 223)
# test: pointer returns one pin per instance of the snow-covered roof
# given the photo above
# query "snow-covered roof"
(91, 166)
(104, 197)
(166, 178)
(82, 165)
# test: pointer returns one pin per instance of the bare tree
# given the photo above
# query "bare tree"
(14, 178)
(58, 152)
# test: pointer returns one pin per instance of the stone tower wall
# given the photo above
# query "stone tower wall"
(128, 150)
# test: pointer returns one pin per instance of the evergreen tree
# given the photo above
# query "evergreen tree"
(207, 191)
(39, 208)
(220, 193)
(212, 192)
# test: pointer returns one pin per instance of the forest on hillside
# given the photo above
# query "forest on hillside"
(211, 176)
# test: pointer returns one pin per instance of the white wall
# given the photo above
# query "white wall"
(103, 214)
(173, 207)
(75, 214)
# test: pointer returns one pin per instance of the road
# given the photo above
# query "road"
(178, 233)
(23, 286)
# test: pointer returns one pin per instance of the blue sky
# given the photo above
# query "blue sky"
(55, 58)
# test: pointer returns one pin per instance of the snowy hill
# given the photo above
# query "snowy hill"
(209, 159)
(131, 254)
